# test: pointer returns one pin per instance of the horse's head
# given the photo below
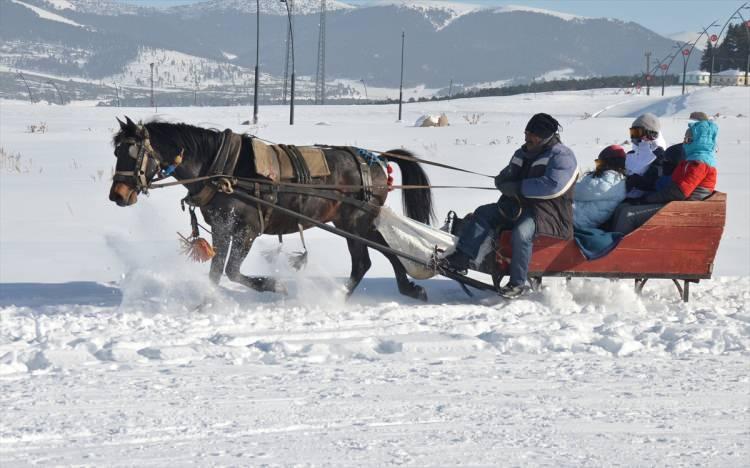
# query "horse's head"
(138, 163)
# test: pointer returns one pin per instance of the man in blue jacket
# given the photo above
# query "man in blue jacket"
(541, 178)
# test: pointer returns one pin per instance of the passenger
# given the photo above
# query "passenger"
(694, 178)
(598, 193)
(541, 176)
(672, 157)
(645, 162)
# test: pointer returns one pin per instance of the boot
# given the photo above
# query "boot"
(510, 291)
(456, 261)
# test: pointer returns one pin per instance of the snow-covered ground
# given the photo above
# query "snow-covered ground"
(114, 350)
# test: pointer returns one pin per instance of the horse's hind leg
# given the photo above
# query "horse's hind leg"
(360, 264)
(405, 286)
(241, 245)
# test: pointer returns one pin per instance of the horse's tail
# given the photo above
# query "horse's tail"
(417, 202)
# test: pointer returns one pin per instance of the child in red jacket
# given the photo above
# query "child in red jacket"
(694, 178)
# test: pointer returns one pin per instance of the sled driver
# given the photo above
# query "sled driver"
(537, 198)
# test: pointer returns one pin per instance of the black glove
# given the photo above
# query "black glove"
(635, 201)
(510, 188)
(635, 181)
(499, 180)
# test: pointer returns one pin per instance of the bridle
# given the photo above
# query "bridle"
(145, 152)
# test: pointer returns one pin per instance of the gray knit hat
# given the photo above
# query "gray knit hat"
(647, 121)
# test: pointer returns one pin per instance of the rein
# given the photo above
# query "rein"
(405, 158)
(233, 181)
(226, 184)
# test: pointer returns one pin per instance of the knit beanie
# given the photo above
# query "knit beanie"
(611, 152)
(614, 155)
(648, 122)
(542, 125)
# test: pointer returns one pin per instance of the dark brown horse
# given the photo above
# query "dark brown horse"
(147, 151)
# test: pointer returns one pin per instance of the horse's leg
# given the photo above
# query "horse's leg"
(360, 264)
(242, 242)
(405, 286)
(221, 240)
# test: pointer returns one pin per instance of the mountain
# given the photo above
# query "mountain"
(688, 36)
(466, 44)
(267, 7)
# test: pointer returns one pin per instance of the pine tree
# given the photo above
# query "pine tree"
(744, 45)
(728, 54)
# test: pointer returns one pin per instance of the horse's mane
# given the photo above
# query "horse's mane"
(186, 136)
(190, 137)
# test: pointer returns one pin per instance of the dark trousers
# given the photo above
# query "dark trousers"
(627, 218)
(487, 219)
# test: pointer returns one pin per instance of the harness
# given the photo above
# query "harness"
(224, 164)
(143, 153)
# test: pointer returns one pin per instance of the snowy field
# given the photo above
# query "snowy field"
(115, 351)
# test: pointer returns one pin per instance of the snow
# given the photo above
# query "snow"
(439, 13)
(42, 13)
(557, 14)
(61, 4)
(228, 56)
(689, 37)
(272, 7)
(562, 74)
(380, 93)
(114, 350)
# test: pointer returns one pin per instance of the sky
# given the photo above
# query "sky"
(665, 17)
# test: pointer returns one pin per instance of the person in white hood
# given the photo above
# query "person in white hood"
(643, 162)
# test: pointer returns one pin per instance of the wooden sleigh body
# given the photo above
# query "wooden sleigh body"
(679, 243)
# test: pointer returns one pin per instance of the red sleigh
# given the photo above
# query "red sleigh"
(678, 243)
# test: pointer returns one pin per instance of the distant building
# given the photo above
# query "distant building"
(725, 78)
(696, 77)
(730, 78)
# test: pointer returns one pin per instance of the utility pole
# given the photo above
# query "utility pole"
(401, 86)
(367, 98)
(320, 76)
(117, 94)
(31, 96)
(291, 43)
(257, 61)
(450, 90)
(648, 73)
(195, 89)
(287, 58)
(152, 83)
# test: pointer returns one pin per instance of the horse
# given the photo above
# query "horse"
(151, 151)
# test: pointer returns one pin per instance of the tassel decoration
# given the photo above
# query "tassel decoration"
(197, 249)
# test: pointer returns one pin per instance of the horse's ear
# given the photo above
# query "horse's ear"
(130, 123)
(123, 126)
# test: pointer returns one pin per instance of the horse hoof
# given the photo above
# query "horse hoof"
(417, 292)
(262, 284)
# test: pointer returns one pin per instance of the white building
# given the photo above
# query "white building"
(730, 78)
(696, 77)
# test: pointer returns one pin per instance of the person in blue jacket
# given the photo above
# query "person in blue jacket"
(599, 192)
(540, 178)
